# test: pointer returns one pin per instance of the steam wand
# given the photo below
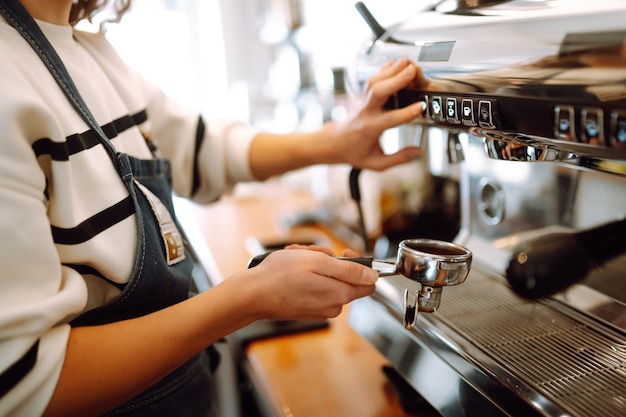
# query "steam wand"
(377, 29)
(549, 264)
(355, 193)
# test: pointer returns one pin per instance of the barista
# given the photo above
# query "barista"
(94, 276)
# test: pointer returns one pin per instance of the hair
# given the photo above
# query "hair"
(87, 9)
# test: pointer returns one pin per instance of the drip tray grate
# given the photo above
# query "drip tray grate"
(576, 362)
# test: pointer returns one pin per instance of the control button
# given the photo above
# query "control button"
(485, 115)
(452, 114)
(592, 126)
(426, 112)
(436, 107)
(564, 123)
(467, 112)
(618, 129)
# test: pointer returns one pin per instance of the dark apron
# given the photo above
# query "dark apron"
(162, 272)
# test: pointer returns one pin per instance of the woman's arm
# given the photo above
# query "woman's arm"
(354, 141)
(109, 364)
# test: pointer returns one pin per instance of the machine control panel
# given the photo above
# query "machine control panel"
(592, 129)
(462, 111)
(591, 125)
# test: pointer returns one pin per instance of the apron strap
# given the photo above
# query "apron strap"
(18, 17)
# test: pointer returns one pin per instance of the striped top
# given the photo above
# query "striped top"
(67, 228)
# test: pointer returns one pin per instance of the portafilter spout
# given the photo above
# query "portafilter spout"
(429, 264)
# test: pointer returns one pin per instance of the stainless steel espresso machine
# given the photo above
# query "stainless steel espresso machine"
(530, 98)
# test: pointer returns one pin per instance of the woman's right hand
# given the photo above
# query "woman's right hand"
(304, 284)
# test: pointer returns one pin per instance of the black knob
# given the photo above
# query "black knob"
(549, 264)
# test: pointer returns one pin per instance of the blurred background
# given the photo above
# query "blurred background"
(247, 58)
(279, 65)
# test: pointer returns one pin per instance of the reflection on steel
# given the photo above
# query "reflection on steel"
(520, 81)
(489, 352)
(515, 151)
(428, 265)
(454, 150)
(433, 263)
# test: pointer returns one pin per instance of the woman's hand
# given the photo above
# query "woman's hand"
(354, 141)
(305, 284)
(357, 138)
(347, 253)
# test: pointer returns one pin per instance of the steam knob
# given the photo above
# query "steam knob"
(549, 264)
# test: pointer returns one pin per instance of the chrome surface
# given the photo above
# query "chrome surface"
(428, 265)
(489, 352)
(433, 262)
(425, 266)
(486, 351)
(511, 150)
(528, 98)
(545, 71)
(384, 268)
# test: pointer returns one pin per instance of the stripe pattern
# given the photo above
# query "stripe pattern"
(61, 151)
(108, 216)
(16, 372)
(84, 231)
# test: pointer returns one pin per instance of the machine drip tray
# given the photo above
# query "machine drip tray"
(488, 352)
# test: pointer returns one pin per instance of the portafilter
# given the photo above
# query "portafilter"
(429, 264)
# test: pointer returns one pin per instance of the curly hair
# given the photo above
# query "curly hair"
(87, 9)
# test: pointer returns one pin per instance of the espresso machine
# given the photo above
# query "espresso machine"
(529, 97)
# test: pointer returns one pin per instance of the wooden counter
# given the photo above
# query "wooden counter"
(325, 372)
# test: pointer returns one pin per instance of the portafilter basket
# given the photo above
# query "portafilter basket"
(433, 264)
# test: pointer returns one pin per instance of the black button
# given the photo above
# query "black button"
(485, 115)
(436, 109)
(564, 123)
(592, 126)
(618, 129)
(452, 114)
(467, 112)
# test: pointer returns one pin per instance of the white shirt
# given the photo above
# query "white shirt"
(52, 181)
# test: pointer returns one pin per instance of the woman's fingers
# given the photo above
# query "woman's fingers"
(390, 69)
(379, 89)
(315, 248)
(404, 155)
(390, 79)
(307, 284)
(319, 261)
(396, 117)
(350, 253)
(352, 273)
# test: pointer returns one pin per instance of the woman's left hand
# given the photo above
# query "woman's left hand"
(353, 141)
(357, 137)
